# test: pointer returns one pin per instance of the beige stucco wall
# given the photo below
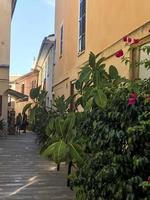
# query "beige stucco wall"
(107, 22)
(62, 89)
(5, 24)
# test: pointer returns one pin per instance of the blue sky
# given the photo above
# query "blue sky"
(32, 21)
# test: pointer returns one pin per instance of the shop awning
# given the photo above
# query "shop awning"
(17, 95)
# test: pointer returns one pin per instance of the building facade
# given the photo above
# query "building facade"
(82, 26)
(23, 85)
(12, 86)
(45, 64)
(6, 11)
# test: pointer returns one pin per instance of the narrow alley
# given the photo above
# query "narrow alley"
(25, 175)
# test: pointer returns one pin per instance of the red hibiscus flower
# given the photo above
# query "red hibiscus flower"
(136, 41)
(132, 99)
(125, 38)
(129, 40)
(119, 53)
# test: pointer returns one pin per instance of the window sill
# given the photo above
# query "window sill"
(80, 53)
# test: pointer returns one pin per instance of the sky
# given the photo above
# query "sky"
(32, 21)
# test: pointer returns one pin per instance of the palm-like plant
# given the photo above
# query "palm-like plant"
(38, 97)
(65, 145)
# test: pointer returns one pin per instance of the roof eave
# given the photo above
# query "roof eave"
(27, 75)
(13, 7)
(45, 41)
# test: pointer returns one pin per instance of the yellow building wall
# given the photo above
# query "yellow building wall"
(5, 22)
(5, 25)
(107, 21)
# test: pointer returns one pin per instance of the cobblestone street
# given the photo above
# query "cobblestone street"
(25, 175)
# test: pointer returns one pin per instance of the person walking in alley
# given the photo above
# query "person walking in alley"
(24, 122)
(18, 122)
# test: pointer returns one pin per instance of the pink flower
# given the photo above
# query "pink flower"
(136, 41)
(125, 38)
(132, 99)
(119, 53)
(129, 40)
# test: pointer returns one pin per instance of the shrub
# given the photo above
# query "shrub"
(119, 144)
(113, 130)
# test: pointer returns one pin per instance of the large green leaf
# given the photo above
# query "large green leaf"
(51, 124)
(34, 92)
(59, 124)
(113, 72)
(85, 74)
(76, 153)
(58, 151)
(26, 107)
(50, 149)
(89, 104)
(100, 61)
(92, 60)
(69, 123)
(97, 78)
(50, 128)
(100, 98)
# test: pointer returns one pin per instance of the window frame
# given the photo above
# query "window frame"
(33, 84)
(135, 56)
(22, 88)
(61, 40)
(82, 26)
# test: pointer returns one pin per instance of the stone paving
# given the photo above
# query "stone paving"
(25, 175)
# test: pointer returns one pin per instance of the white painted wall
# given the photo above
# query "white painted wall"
(143, 72)
(49, 75)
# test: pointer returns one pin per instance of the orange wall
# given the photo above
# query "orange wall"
(107, 22)
(27, 81)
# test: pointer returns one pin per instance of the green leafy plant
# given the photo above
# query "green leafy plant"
(119, 143)
(38, 113)
(108, 141)
(65, 145)
(92, 82)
